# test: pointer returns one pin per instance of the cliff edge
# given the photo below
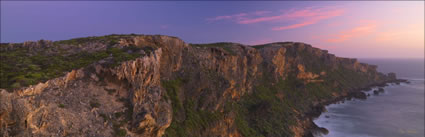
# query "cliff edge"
(154, 85)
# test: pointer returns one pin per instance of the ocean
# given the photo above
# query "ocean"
(398, 112)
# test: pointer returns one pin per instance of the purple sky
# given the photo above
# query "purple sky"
(351, 29)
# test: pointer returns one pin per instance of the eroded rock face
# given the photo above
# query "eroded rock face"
(171, 47)
(274, 58)
(108, 101)
(218, 76)
(93, 101)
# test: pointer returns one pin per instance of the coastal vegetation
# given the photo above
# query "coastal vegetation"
(22, 66)
(227, 46)
(217, 89)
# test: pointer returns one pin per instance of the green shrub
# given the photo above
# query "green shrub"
(195, 120)
(172, 88)
(15, 85)
(110, 91)
(118, 114)
(121, 132)
(21, 67)
(104, 116)
(227, 46)
(94, 104)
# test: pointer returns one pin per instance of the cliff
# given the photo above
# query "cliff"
(142, 85)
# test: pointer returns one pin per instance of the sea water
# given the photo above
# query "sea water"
(398, 112)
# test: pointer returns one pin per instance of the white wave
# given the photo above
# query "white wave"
(410, 78)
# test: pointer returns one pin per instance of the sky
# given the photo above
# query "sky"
(359, 29)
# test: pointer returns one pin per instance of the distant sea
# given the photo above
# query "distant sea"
(399, 112)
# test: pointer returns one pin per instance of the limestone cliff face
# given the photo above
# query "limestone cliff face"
(218, 76)
(90, 102)
(275, 59)
(134, 98)
(171, 46)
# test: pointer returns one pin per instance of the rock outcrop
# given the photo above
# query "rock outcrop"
(92, 101)
(180, 89)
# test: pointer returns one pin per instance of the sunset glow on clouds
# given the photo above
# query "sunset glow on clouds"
(366, 27)
(338, 28)
(382, 29)
(303, 17)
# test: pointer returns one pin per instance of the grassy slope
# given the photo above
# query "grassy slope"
(22, 67)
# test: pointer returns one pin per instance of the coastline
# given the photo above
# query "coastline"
(312, 129)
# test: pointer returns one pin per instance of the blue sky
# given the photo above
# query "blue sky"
(352, 29)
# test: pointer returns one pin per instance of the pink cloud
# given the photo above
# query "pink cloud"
(307, 12)
(336, 23)
(302, 24)
(314, 15)
(367, 28)
(388, 36)
(239, 16)
(305, 16)
(235, 16)
(409, 32)
(260, 19)
(310, 18)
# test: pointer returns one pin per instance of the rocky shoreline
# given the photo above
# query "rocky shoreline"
(313, 129)
(174, 88)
